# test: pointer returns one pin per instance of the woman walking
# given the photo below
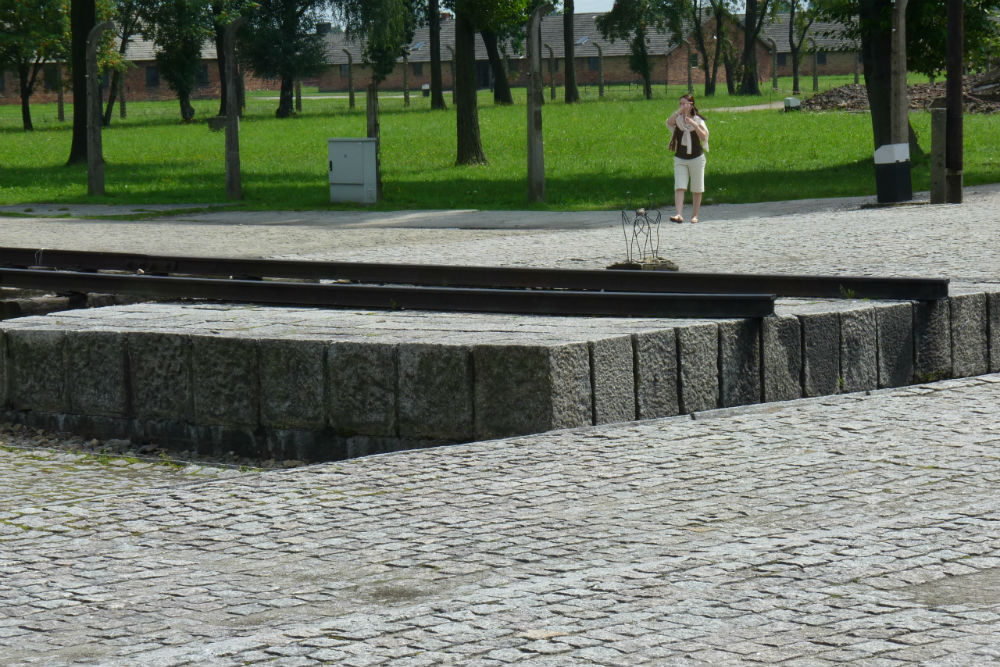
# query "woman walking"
(689, 142)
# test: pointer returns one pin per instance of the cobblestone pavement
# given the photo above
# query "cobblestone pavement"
(856, 529)
(834, 236)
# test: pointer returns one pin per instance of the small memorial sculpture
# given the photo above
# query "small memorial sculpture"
(641, 228)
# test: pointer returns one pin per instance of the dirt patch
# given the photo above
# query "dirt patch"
(981, 93)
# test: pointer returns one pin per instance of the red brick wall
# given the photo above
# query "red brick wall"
(135, 86)
(665, 69)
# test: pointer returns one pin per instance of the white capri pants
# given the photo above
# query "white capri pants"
(693, 170)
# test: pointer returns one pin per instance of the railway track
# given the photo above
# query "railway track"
(439, 287)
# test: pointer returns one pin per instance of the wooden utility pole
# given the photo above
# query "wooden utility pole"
(899, 107)
(953, 96)
(350, 80)
(536, 98)
(95, 156)
(234, 178)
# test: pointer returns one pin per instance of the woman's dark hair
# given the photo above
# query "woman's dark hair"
(694, 107)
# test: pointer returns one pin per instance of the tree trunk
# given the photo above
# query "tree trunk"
(470, 147)
(437, 86)
(286, 97)
(83, 17)
(24, 80)
(187, 111)
(112, 96)
(876, 57)
(501, 87)
(572, 93)
(220, 50)
(749, 85)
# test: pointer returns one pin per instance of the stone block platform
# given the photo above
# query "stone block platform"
(331, 384)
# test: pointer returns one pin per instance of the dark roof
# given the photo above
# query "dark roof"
(140, 50)
(552, 34)
(827, 35)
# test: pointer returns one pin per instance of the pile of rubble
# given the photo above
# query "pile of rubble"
(982, 95)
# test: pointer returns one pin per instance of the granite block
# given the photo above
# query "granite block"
(932, 340)
(160, 375)
(95, 373)
(993, 310)
(3, 369)
(36, 370)
(655, 374)
(858, 350)
(895, 344)
(781, 343)
(522, 389)
(573, 404)
(613, 379)
(739, 362)
(361, 389)
(292, 384)
(969, 335)
(698, 367)
(820, 354)
(435, 392)
(225, 385)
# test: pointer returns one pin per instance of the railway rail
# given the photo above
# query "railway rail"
(440, 287)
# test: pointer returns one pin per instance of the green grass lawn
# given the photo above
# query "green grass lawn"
(595, 152)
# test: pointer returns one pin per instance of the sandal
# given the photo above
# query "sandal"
(694, 219)
(676, 218)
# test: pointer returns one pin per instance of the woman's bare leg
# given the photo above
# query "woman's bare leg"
(695, 205)
(679, 202)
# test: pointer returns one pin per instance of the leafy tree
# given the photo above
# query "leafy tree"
(179, 28)
(696, 12)
(870, 23)
(386, 29)
(756, 13)
(225, 12)
(434, 22)
(470, 16)
(801, 16)
(280, 40)
(630, 19)
(505, 23)
(127, 21)
(31, 34)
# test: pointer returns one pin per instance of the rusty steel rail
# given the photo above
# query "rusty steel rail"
(396, 297)
(861, 287)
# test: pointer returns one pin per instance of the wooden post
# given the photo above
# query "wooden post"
(121, 97)
(688, 67)
(406, 81)
(371, 112)
(815, 65)
(234, 179)
(774, 65)
(954, 153)
(536, 150)
(350, 80)
(600, 70)
(60, 102)
(95, 157)
(451, 63)
(939, 124)
(552, 70)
